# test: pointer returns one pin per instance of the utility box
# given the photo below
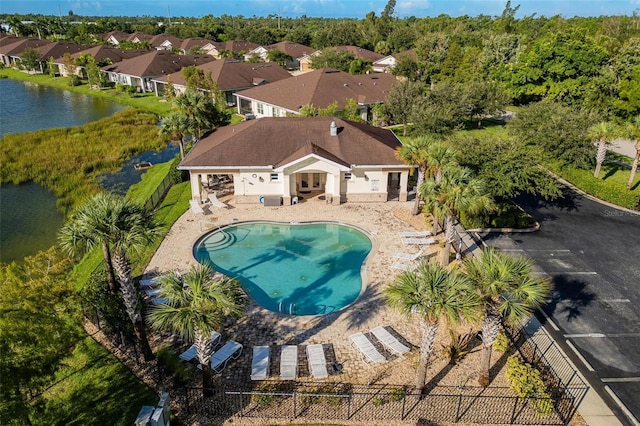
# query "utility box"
(144, 416)
(272, 200)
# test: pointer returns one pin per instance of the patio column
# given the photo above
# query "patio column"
(335, 193)
(286, 189)
(404, 182)
(195, 185)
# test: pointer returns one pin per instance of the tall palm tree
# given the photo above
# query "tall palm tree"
(434, 294)
(198, 107)
(177, 125)
(414, 152)
(634, 130)
(508, 292)
(196, 304)
(457, 192)
(440, 156)
(118, 225)
(602, 133)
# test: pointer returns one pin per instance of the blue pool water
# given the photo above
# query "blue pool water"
(295, 269)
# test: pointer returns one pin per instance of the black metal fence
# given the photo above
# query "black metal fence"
(154, 200)
(358, 403)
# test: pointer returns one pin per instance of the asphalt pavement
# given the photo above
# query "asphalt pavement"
(591, 253)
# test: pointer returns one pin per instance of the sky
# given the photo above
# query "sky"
(317, 8)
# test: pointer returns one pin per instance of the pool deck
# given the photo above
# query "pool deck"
(260, 327)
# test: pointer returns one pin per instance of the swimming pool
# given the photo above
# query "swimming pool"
(294, 269)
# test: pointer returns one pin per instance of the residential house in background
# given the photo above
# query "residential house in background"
(166, 42)
(11, 51)
(297, 51)
(319, 88)
(102, 54)
(387, 63)
(295, 157)
(141, 70)
(360, 53)
(115, 37)
(198, 43)
(231, 76)
(238, 47)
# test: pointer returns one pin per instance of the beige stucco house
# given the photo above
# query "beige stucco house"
(295, 157)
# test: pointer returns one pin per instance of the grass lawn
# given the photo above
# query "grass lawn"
(610, 186)
(146, 101)
(94, 388)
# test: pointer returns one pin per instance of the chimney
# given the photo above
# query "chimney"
(333, 129)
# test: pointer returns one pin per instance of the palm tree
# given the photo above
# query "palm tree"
(457, 192)
(602, 133)
(199, 109)
(177, 125)
(440, 156)
(118, 225)
(434, 294)
(634, 130)
(196, 304)
(414, 152)
(508, 293)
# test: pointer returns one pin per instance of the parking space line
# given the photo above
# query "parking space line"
(623, 407)
(615, 300)
(572, 273)
(601, 335)
(579, 355)
(620, 379)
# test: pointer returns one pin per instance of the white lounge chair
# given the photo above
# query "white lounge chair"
(317, 361)
(408, 256)
(364, 345)
(189, 354)
(260, 362)
(288, 362)
(389, 340)
(151, 292)
(220, 358)
(215, 202)
(403, 266)
(415, 234)
(148, 282)
(195, 207)
(419, 241)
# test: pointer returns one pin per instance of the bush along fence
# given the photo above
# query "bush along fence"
(361, 403)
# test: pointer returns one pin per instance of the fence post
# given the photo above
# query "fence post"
(404, 401)
(349, 406)
(458, 407)
(294, 404)
(513, 413)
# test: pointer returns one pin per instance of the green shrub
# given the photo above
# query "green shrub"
(377, 401)
(170, 361)
(502, 343)
(526, 382)
(266, 399)
(397, 394)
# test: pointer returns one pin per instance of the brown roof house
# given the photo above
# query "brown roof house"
(295, 50)
(103, 55)
(287, 159)
(141, 70)
(387, 63)
(11, 49)
(165, 42)
(230, 75)
(319, 88)
(115, 37)
(237, 47)
(196, 42)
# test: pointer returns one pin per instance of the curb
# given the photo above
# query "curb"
(591, 197)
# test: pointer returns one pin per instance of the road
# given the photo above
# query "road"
(591, 253)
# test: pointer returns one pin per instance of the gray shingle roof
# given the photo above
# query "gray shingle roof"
(234, 75)
(156, 63)
(279, 141)
(322, 87)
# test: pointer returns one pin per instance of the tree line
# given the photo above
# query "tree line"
(586, 62)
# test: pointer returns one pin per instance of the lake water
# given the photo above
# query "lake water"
(29, 220)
